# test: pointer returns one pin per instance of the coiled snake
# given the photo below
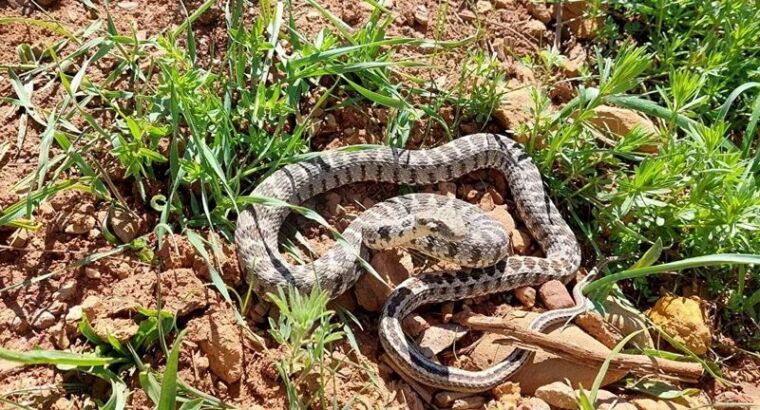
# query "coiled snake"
(436, 225)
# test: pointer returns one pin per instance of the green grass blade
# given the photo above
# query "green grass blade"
(57, 357)
(168, 398)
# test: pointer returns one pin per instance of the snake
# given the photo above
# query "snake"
(436, 225)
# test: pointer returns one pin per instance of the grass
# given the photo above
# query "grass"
(206, 129)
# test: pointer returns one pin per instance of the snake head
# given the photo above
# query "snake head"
(443, 223)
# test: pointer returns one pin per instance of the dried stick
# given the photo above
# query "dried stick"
(687, 372)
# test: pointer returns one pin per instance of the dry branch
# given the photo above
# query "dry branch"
(688, 372)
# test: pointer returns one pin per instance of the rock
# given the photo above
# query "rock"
(483, 6)
(394, 266)
(471, 402)
(558, 394)
(520, 241)
(125, 225)
(43, 320)
(91, 273)
(682, 318)
(74, 314)
(539, 11)
(447, 398)
(514, 108)
(496, 197)
(219, 338)
(526, 295)
(421, 15)
(76, 223)
(574, 17)
(414, 325)
(534, 28)
(19, 238)
(182, 292)
(595, 325)
(467, 15)
(501, 214)
(576, 59)
(562, 91)
(507, 394)
(533, 403)
(438, 338)
(544, 368)
(486, 202)
(617, 404)
(554, 294)
(66, 291)
(503, 4)
(621, 121)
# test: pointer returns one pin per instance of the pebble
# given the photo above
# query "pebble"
(554, 294)
(507, 394)
(533, 403)
(438, 338)
(414, 325)
(19, 238)
(447, 188)
(446, 398)
(483, 6)
(526, 295)
(124, 224)
(682, 318)
(467, 15)
(91, 273)
(421, 15)
(74, 314)
(394, 266)
(472, 402)
(503, 4)
(486, 202)
(520, 241)
(66, 291)
(501, 214)
(44, 320)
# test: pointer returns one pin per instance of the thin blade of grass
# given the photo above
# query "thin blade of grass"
(168, 397)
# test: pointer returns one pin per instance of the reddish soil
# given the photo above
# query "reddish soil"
(217, 356)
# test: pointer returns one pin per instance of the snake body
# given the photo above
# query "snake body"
(485, 243)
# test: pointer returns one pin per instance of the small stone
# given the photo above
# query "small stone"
(558, 394)
(124, 224)
(539, 11)
(471, 402)
(503, 4)
(496, 197)
(486, 202)
(447, 311)
(514, 108)
(526, 295)
(91, 273)
(483, 6)
(421, 15)
(507, 394)
(414, 325)
(219, 337)
(332, 204)
(467, 15)
(201, 362)
(554, 294)
(520, 241)
(44, 320)
(60, 338)
(74, 314)
(66, 291)
(19, 238)
(534, 28)
(501, 214)
(649, 403)
(77, 223)
(127, 5)
(394, 266)
(437, 338)
(682, 318)
(533, 403)
(574, 15)
(447, 398)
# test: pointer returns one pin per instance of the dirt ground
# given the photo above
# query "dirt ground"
(217, 357)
